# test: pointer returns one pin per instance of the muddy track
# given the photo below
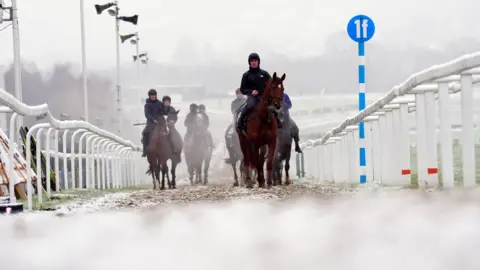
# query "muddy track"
(185, 194)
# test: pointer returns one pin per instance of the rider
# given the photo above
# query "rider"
(253, 83)
(287, 105)
(203, 111)
(167, 100)
(236, 105)
(153, 109)
(190, 120)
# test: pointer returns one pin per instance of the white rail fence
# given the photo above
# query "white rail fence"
(334, 157)
(111, 162)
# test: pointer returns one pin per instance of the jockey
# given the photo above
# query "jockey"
(153, 109)
(236, 105)
(166, 100)
(190, 120)
(203, 111)
(253, 83)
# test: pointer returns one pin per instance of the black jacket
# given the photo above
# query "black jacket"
(254, 79)
(153, 109)
(236, 104)
(190, 120)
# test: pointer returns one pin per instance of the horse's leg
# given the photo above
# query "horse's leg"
(260, 163)
(173, 171)
(157, 173)
(190, 172)
(254, 162)
(198, 169)
(276, 173)
(164, 172)
(246, 148)
(287, 168)
(206, 166)
(235, 176)
(242, 173)
(271, 153)
(152, 170)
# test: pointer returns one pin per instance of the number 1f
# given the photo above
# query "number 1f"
(363, 33)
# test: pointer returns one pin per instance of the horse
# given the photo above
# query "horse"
(232, 140)
(198, 153)
(283, 150)
(261, 131)
(158, 152)
(176, 146)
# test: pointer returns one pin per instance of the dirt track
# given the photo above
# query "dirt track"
(210, 193)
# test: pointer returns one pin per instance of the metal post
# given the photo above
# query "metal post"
(119, 94)
(138, 59)
(84, 61)
(16, 58)
(361, 106)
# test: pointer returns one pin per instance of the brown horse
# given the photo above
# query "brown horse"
(261, 131)
(158, 152)
(176, 147)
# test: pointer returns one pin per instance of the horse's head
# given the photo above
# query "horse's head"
(172, 118)
(274, 91)
(161, 126)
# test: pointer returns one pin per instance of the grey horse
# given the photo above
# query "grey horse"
(283, 151)
(198, 152)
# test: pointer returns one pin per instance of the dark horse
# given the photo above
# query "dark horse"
(232, 141)
(283, 151)
(261, 130)
(176, 146)
(158, 152)
(198, 152)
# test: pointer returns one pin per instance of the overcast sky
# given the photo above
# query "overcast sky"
(227, 30)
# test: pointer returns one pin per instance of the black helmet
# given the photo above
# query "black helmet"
(166, 98)
(201, 107)
(193, 106)
(253, 56)
(152, 92)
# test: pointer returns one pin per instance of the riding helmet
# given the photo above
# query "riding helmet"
(166, 98)
(152, 92)
(253, 56)
(193, 106)
(201, 107)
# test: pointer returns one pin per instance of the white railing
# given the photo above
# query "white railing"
(117, 161)
(334, 157)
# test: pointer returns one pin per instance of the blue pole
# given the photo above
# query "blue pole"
(361, 106)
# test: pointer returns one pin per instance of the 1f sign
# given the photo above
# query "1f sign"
(361, 28)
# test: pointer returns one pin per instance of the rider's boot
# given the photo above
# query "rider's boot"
(144, 143)
(241, 121)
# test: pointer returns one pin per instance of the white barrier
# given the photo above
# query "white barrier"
(117, 161)
(334, 157)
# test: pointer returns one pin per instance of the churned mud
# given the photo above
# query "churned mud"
(219, 191)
